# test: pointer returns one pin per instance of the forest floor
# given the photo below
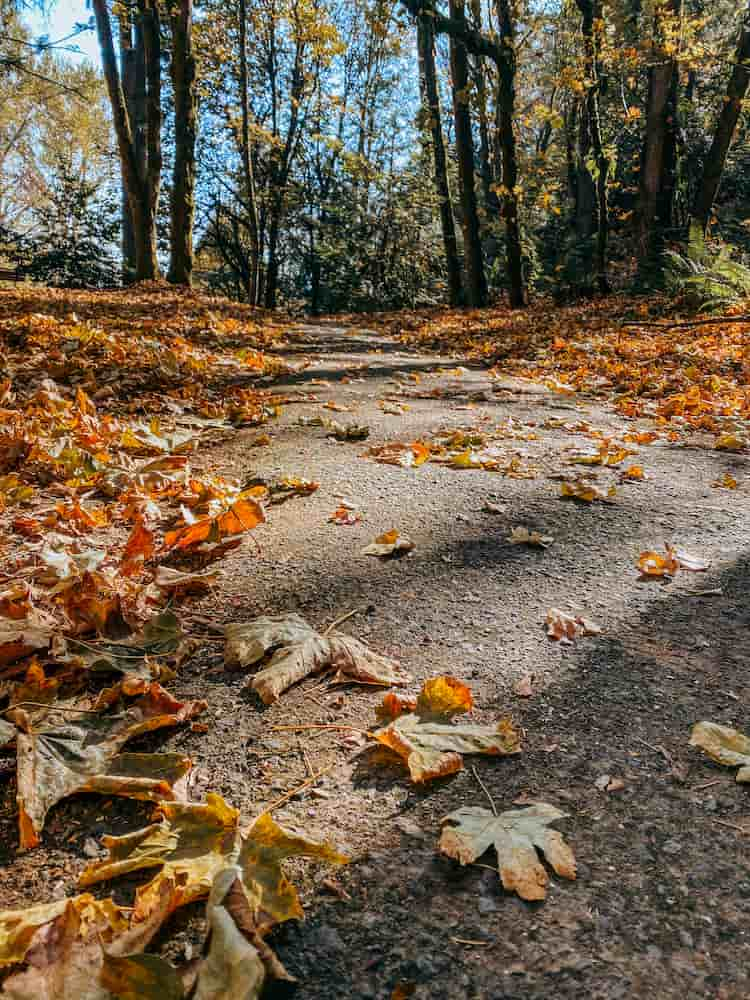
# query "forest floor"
(661, 900)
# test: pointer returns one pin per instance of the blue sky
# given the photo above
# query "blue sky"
(60, 21)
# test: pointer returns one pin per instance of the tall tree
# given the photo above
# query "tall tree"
(656, 179)
(133, 70)
(713, 166)
(506, 105)
(475, 283)
(250, 204)
(185, 115)
(431, 101)
(142, 192)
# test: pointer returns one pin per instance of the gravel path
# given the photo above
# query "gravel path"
(663, 891)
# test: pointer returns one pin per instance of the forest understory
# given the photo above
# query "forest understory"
(538, 520)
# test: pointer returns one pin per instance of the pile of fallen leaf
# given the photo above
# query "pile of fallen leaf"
(105, 526)
(692, 373)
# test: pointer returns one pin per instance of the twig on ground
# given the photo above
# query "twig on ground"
(732, 826)
(709, 784)
(316, 725)
(311, 781)
(341, 620)
(485, 790)
(686, 324)
(657, 749)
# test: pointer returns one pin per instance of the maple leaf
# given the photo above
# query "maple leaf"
(724, 745)
(565, 628)
(390, 543)
(192, 842)
(138, 549)
(516, 835)
(137, 656)
(243, 515)
(299, 651)
(82, 755)
(179, 585)
(345, 515)
(427, 741)
(72, 946)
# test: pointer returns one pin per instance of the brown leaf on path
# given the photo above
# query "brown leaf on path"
(409, 456)
(727, 482)
(192, 842)
(390, 543)
(522, 536)
(587, 492)
(344, 515)
(563, 627)
(139, 548)
(656, 564)
(724, 745)
(516, 835)
(72, 948)
(633, 473)
(298, 651)
(243, 515)
(20, 637)
(179, 584)
(523, 686)
(82, 754)
(430, 745)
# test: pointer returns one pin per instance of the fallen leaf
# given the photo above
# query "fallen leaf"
(19, 638)
(344, 515)
(523, 687)
(724, 745)
(727, 482)
(82, 754)
(565, 628)
(427, 741)
(522, 536)
(516, 835)
(657, 565)
(634, 473)
(297, 651)
(139, 548)
(396, 453)
(587, 492)
(192, 842)
(730, 442)
(243, 515)
(348, 432)
(390, 543)
(172, 581)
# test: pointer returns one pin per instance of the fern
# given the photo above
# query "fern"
(706, 279)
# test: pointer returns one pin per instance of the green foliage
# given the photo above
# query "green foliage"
(706, 278)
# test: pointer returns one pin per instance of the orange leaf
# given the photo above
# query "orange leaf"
(243, 515)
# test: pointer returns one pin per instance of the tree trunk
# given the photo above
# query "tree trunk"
(272, 271)
(152, 51)
(128, 56)
(183, 184)
(591, 140)
(505, 111)
(431, 97)
(657, 158)
(139, 195)
(476, 285)
(251, 206)
(728, 118)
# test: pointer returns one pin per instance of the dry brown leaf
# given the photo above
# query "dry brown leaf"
(563, 627)
(409, 456)
(724, 745)
(522, 536)
(581, 490)
(20, 637)
(427, 741)
(82, 754)
(243, 515)
(516, 835)
(727, 482)
(390, 543)
(72, 948)
(299, 651)
(656, 564)
(191, 843)
(172, 581)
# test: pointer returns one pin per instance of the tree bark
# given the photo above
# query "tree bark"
(591, 140)
(476, 285)
(128, 56)
(657, 157)
(141, 201)
(185, 121)
(431, 97)
(506, 99)
(152, 51)
(251, 205)
(725, 127)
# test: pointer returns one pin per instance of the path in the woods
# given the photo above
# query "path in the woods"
(660, 907)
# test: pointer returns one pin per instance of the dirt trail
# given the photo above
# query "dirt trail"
(661, 903)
